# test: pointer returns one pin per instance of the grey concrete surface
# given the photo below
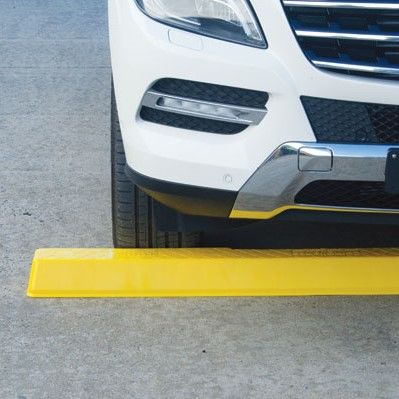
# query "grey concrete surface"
(55, 191)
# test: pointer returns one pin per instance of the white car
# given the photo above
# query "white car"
(229, 111)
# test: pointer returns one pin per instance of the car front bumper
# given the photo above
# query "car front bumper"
(144, 51)
(274, 186)
(291, 167)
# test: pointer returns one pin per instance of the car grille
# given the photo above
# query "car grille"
(359, 37)
(224, 95)
(350, 194)
(352, 122)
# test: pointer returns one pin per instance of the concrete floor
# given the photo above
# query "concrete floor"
(55, 191)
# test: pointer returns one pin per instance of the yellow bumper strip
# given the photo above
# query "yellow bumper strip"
(237, 214)
(212, 272)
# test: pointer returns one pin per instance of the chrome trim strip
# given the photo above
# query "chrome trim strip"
(357, 67)
(241, 115)
(274, 185)
(343, 4)
(350, 35)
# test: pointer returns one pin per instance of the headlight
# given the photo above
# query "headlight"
(231, 20)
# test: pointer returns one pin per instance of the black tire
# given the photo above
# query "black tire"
(133, 224)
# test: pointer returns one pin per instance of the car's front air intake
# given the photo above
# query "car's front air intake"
(348, 194)
(336, 121)
(358, 37)
(203, 107)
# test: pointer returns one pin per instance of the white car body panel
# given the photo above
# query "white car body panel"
(144, 50)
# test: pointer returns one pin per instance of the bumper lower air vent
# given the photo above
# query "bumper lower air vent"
(348, 194)
(203, 107)
(335, 121)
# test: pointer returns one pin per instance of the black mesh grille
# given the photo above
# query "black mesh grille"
(211, 92)
(352, 122)
(204, 92)
(346, 20)
(189, 122)
(351, 194)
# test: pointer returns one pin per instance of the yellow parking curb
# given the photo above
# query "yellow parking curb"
(212, 272)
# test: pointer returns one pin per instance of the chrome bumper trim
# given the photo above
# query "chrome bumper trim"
(273, 187)
(203, 109)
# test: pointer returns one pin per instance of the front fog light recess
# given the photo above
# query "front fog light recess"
(231, 20)
(199, 109)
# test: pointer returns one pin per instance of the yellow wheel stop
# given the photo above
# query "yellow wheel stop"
(212, 272)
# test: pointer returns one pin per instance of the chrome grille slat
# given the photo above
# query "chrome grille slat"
(343, 4)
(355, 67)
(347, 35)
(351, 37)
